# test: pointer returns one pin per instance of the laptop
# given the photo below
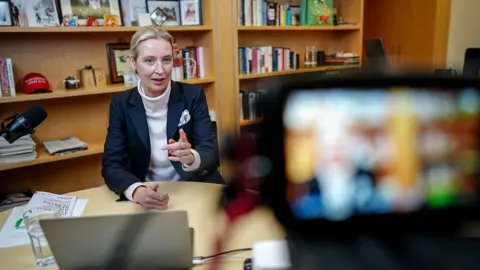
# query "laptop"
(150, 240)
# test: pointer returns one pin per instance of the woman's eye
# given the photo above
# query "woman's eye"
(149, 61)
(167, 60)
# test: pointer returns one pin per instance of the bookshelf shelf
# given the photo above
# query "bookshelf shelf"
(62, 93)
(300, 28)
(44, 157)
(293, 71)
(85, 29)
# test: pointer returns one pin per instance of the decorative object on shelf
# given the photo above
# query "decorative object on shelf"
(308, 58)
(118, 55)
(41, 13)
(65, 21)
(35, 83)
(71, 83)
(144, 19)
(91, 8)
(130, 78)
(111, 20)
(319, 12)
(320, 58)
(15, 6)
(87, 77)
(93, 77)
(295, 14)
(158, 17)
(74, 20)
(92, 21)
(6, 17)
(191, 12)
(169, 8)
(131, 9)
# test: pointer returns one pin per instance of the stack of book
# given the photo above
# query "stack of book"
(23, 149)
(342, 58)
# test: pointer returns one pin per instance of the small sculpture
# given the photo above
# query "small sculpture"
(72, 83)
(92, 21)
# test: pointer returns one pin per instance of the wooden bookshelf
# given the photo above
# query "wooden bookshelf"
(44, 157)
(59, 52)
(110, 89)
(293, 71)
(300, 28)
(330, 39)
(90, 30)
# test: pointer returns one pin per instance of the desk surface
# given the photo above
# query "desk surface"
(198, 199)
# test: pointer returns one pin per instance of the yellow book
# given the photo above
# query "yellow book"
(283, 16)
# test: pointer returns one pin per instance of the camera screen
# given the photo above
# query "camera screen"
(374, 151)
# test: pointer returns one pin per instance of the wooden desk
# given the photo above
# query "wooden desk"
(200, 201)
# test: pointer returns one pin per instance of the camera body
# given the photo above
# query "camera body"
(331, 175)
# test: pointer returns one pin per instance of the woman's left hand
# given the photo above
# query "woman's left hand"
(181, 150)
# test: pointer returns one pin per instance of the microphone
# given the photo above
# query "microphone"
(22, 124)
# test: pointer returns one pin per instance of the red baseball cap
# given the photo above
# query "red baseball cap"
(35, 83)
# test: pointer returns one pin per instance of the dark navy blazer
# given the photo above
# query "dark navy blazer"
(126, 156)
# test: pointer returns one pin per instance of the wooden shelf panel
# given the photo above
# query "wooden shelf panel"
(300, 28)
(85, 29)
(62, 93)
(293, 71)
(44, 157)
(250, 122)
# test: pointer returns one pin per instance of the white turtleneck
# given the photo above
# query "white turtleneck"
(160, 168)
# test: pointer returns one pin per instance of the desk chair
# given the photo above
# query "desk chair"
(376, 55)
(471, 64)
(213, 175)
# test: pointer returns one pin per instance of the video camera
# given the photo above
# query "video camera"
(393, 159)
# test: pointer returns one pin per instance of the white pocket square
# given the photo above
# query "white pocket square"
(184, 118)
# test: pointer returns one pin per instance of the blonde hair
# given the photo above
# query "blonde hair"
(146, 33)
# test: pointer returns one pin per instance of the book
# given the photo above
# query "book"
(66, 203)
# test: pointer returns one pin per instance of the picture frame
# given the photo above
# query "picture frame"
(131, 9)
(6, 17)
(191, 12)
(19, 12)
(170, 7)
(83, 9)
(40, 13)
(118, 55)
(295, 13)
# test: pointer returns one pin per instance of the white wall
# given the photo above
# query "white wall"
(464, 30)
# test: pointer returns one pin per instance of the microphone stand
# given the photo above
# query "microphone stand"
(11, 136)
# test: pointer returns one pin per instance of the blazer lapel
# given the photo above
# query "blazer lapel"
(175, 109)
(136, 113)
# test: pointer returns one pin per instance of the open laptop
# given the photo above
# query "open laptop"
(151, 240)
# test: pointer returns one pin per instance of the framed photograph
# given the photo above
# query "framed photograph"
(5, 13)
(118, 55)
(84, 9)
(295, 11)
(131, 9)
(191, 12)
(42, 13)
(19, 12)
(169, 7)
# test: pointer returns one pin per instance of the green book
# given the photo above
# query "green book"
(303, 12)
(319, 12)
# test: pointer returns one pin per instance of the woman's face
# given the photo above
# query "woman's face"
(154, 65)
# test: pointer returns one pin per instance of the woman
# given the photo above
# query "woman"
(159, 130)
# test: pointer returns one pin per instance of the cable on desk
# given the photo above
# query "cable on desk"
(202, 259)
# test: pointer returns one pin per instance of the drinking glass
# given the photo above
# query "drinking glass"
(41, 251)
